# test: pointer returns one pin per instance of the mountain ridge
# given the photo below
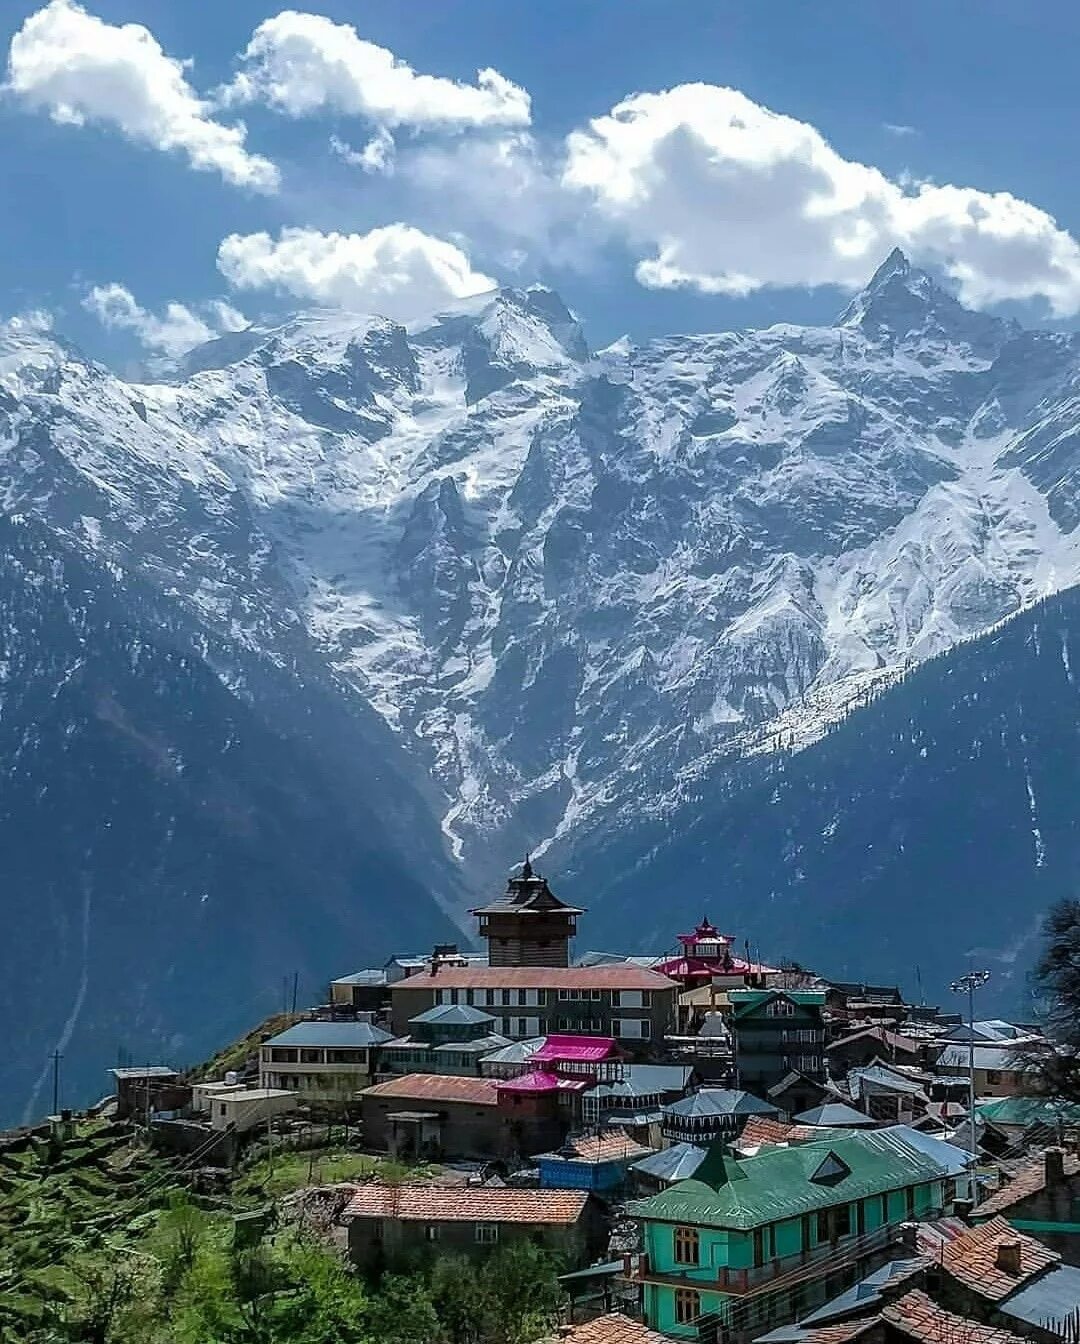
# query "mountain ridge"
(547, 595)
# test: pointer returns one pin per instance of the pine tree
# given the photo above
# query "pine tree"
(1057, 982)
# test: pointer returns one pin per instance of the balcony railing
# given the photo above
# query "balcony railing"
(742, 1282)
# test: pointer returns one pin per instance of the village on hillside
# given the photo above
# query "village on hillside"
(714, 1148)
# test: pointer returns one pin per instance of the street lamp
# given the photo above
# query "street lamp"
(968, 984)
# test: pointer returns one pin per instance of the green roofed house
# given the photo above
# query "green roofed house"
(777, 1032)
(754, 1242)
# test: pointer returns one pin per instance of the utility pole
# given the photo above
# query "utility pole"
(56, 1058)
(295, 988)
(968, 984)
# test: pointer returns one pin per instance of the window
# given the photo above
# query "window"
(909, 1201)
(564, 1023)
(823, 1227)
(310, 1056)
(686, 1245)
(993, 1076)
(564, 995)
(487, 1234)
(631, 998)
(687, 1306)
(780, 1008)
(431, 1232)
(597, 995)
(843, 1220)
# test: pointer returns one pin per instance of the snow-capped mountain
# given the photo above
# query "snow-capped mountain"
(556, 592)
(565, 580)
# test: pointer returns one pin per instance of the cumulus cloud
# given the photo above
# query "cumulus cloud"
(377, 156)
(33, 321)
(726, 197)
(80, 69)
(397, 271)
(304, 63)
(173, 332)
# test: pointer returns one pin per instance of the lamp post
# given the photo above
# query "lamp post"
(968, 984)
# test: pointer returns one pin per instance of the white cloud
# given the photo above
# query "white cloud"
(397, 271)
(898, 128)
(304, 63)
(727, 197)
(174, 332)
(80, 69)
(377, 156)
(34, 321)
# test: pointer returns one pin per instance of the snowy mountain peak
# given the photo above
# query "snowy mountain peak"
(903, 303)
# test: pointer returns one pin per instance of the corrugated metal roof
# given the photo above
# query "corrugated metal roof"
(331, 1034)
(776, 1182)
(986, 1057)
(589, 1049)
(645, 1080)
(438, 1087)
(835, 1115)
(955, 1160)
(1049, 1300)
(720, 1101)
(677, 1163)
(372, 978)
(146, 1071)
(452, 1015)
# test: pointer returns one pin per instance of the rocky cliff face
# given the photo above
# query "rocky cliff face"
(549, 596)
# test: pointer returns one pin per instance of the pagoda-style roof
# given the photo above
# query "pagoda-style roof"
(528, 894)
(706, 933)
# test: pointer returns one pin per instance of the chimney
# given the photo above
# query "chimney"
(1054, 1160)
(1008, 1257)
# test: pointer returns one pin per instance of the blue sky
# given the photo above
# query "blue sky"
(693, 209)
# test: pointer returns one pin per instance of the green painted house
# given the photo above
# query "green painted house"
(777, 1032)
(760, 1240)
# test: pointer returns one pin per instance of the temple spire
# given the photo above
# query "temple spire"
(526, 869)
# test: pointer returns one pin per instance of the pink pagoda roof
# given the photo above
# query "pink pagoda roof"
(581, 1049)
(679, 968)
(706, 933)
(542, 1081)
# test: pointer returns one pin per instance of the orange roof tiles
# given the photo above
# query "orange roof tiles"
(619, 976)
(760, 1129)
(465, 1204)
(916, 1316)
(438, 1087)
(614, 1329)
(972, 1258)
(1029, 1180)
(606, 1148)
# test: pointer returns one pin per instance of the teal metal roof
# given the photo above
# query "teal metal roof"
(776, 1183)
(745, 1001)
(1028, 1110)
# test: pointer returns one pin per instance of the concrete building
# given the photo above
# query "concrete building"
(325, 1061)
(241, 1109)
(634, 1005)
(148, 1090)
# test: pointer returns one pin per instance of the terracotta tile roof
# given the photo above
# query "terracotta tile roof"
(916, 1316)
(613, 1329)
(972, 1258)
(1029, 1180)
(437, 1087)
(620, 976)
(761, 1129)
(426, 1203)
(604, 1148)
